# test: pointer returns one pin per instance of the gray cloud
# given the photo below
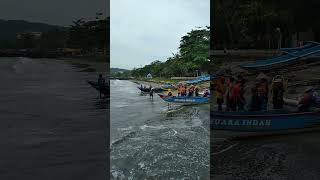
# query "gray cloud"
(146, 30)
(59, 12)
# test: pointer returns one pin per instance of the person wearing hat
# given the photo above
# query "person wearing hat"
(277, 90)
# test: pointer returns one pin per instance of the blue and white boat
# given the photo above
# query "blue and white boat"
(292, 56)
(186, 100)
(264, 121)
(201, 79)
(168, 86)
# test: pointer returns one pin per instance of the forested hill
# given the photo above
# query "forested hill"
(115, 70)
(85, 37)
(10, 28)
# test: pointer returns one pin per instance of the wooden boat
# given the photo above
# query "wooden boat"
(292, 57)
(104, 89)
(187, 100)
(267, 121)
(200, 79)
(166, 87)
(147, 90)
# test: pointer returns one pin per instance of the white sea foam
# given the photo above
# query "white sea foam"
(143, 127)
(125, 129)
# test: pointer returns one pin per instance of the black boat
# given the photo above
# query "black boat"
(104, 89)
(147, 90)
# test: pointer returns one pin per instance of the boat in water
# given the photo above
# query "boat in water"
(167, 87)
(186, 100)
(264, 121)
(104, 89)
(147, 90)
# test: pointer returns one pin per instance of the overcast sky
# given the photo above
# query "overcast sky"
(57, 12)
(146, 30)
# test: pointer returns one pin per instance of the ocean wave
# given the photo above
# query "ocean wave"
(125, 129)
(122, 138)
(143, 127)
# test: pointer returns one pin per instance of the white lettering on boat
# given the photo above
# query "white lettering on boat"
(231, 122)
(184, 100)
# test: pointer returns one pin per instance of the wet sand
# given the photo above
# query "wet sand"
(292, 156)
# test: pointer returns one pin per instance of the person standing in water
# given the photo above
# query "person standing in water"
(101, 80)
(151, 93)
(101, 83)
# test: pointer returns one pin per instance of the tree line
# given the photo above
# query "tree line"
(260, 23)
(192, 58)
(87, 35)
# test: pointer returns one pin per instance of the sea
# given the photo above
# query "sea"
(52, 122)
(148, 141)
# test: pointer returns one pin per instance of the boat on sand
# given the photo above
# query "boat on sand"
(264, 121)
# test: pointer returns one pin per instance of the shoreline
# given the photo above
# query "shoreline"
(87, 65)
(155, 83)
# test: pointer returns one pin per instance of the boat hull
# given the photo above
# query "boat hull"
(147, 90)
(105, 89)
(264, 121)
(293, 57)
(185, 99)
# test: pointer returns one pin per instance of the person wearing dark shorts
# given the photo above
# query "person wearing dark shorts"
(151, 93)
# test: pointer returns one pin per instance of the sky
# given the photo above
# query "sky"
(143, 31)
(55, 12)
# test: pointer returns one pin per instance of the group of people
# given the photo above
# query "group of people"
(233, 92)
(183, 90)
